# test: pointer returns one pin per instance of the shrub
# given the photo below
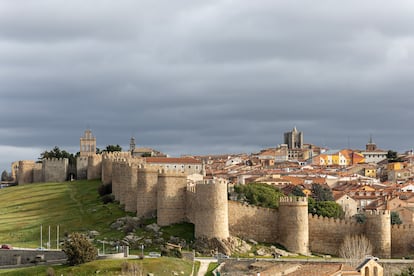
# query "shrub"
(107, 199)
(105, 189)
(50, 271)
(354, 249)
(79, 249)
(130, 268)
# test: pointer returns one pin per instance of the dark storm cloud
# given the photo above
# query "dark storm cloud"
(204, 77)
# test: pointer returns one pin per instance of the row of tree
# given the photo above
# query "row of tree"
(261, 194)
(321, 202)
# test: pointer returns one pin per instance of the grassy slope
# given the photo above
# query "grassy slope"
(74, 206)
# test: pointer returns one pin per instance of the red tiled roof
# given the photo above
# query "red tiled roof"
(173, 160)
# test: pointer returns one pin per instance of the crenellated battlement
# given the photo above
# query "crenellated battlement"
(293, 200)
(253, 207)
(402, 226)
(116, 154)
(377, 212)
(191, 188)
(171, 173)
(55, 160)
(321, 219)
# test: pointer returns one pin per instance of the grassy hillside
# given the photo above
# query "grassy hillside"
(74, 206)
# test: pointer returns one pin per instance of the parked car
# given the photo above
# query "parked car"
(154, 254)
(6, 246)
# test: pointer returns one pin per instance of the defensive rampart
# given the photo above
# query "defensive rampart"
(147, 192)
(171, 198)
(211, 211)
(55, 169)
(252, 222)
(168, 196)
(94, 170)
(293, 227)
(327, 234)
(402, 240)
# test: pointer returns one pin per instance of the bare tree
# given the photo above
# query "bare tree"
(354, 249)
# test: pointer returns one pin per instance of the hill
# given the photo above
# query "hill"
(73, 206)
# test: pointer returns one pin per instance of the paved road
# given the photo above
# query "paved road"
(204, 262)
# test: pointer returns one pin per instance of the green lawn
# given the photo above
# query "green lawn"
(158, 266)
(74, 206)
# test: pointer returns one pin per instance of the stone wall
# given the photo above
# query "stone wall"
(171, 198)
(81, 167)
(147, 192)
(131, 188)
(55, 170)
(378, 231)
(25, 172)
(38, 173)
(327, 234)
(252, 222)
(14, 257)
(211, 211)
(94, 167)
(293, 227)
(402, 240)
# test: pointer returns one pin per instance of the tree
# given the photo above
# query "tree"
(56, 152)
(409, 271)
(329, 209)
(297, 191)
(4, 176)
(79, 249)
(112, 148)
(360, 218)
(354, 249)
(395, 218)
(321, 193)
(259, 194)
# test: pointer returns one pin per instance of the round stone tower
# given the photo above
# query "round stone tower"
(211, 219)
(147, 192)
(378, 231)
(293, 224)
(171, 198)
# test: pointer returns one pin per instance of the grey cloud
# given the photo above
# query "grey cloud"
(205, 77)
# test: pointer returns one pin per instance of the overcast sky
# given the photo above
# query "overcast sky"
(198, 77)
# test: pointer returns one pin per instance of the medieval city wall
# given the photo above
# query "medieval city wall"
(252, 222)
(402, 240)
(25, 172)
(171, 198)
(131, 188)
(190, 203)
(119, 177)
(211, 211)
(38, 173)
(81, 167)
(55, 169)
(147, 192)
(107, 159)
(327, 234)
(293, 224)
(94, 170)
(378, 231)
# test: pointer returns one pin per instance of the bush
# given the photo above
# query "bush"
(130, 268)
(79, 249)
(108, 199)
(50, 271)
(105, 189)
(259, 194)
